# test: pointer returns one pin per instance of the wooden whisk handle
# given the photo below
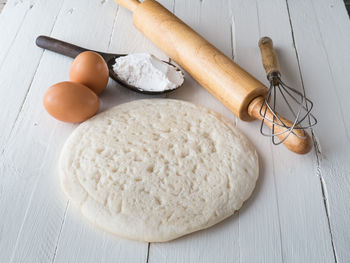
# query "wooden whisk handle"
(293, 142)
(268, 56)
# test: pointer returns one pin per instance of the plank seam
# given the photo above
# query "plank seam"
(23, 222)
(22, 103)
(166, 95)
(232, 25)
(27, 209)
(60, 232)
(272, 157)
(323, 189)
(332, 76)
(29, 87)
(257, 17)
(17, 32)
(148, 249)
(26, 212)
(277, 203)
(315, 142)
(113, 28)
(9, 136)
(239, 244)
(232, 42)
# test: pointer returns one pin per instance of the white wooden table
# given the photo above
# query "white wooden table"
(300, 210)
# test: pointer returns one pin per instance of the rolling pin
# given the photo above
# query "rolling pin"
(239, 91)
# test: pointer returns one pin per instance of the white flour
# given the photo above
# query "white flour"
(146, 72)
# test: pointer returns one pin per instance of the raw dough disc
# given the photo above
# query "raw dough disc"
(155, 170)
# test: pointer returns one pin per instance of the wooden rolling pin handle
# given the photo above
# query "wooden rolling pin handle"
(293, 143)
(128, 4)
(268, 56)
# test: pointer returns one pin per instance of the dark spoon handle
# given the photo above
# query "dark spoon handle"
(59, 46)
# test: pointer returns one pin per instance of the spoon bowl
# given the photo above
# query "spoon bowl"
(72, 51)
(115, 77)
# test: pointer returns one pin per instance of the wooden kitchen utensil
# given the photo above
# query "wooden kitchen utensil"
(299, 106)
(72, 51)
(233, 86)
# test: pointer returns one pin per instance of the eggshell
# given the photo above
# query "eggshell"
(71, 102)
(90, 69)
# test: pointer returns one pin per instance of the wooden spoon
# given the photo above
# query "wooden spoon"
(72, 51)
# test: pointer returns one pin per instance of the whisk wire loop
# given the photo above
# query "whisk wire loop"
(300, 111)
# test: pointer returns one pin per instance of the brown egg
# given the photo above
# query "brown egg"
(90, 69)
(71, 102)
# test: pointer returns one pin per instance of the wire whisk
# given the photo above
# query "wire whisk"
(283, 99)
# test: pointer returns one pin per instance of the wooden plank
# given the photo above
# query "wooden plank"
(219, 243)
(324, 26)
(259, 221)
(11, 21)
(17, 19)
(35, 218)
(297, 187)
(16, 76)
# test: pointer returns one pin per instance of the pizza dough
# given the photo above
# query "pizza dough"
(154, 170)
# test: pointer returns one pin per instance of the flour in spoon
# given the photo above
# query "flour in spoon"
(146, 72)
